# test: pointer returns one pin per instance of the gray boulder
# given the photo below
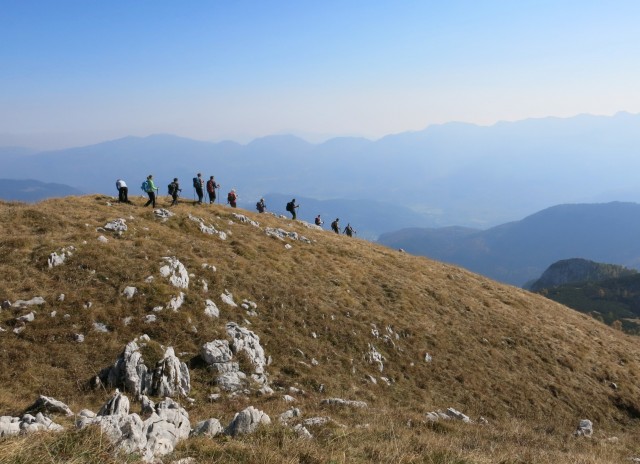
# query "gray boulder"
(175, 271)
(117, 405)
(247, 421)
(585, 428)
(344, 403)
(129, 372)
(47, 404)
(210, 428)
(171, 376)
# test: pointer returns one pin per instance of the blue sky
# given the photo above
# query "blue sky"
(78, 72)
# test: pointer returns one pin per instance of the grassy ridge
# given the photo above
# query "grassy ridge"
(533, 368)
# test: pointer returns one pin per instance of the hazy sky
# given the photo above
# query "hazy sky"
(78, 72)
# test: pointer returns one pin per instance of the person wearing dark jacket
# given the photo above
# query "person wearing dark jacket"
(335, 226)
(174, 188)
(211, 189)
(198, 184)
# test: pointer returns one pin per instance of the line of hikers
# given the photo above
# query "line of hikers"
(173, 190)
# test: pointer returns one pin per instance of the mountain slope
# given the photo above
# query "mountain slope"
(520, 251)
(531, 367)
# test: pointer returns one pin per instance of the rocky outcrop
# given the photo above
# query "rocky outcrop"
(10, 426)
(247, 342)
(282, 234)
(156, 436)
(57, 259)
(171, 376)
(117, 225)
(576, 270)
(344, 403)
(247, 421)
(51, 405)
(209, 428)
(585, 429)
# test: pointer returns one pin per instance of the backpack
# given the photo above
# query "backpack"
(196, 183)
(258, 206)
(145, 186)
(231, 197)
(171, 188)
(290, 207)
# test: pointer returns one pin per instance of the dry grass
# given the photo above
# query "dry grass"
(531, 367)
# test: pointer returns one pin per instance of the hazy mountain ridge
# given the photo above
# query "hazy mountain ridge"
(578, 270)
(453, 173)
(30, 190)
(520, 251)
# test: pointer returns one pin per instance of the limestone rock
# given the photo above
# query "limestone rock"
(35, 301)
(129, 292)
(585, 428)
(129, 371)
(45, 403)
(117, 225)
(290, 414)
(244, 340)
(244, 219)
(38, 423)
(247, 421)
(302, 432)
(211, 309)
(103, 239)
(227, 297)
(176, 302)
(344, 403)
(171, 376)
(175, 271)
(231, 381)
(117, 405)
(163, 213)
(209, 428)
(30, 317)
(217, 353)
(373, 356)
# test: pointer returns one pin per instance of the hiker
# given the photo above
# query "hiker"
(123, 191)
(149, 187)
(291, 207)
(261, 206)
(174, 188)
(318, 221)
(335, 226)
(198, 185)
(232, 198)
(211, 189)
(349, 230)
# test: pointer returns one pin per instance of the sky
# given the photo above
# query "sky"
(79, 72)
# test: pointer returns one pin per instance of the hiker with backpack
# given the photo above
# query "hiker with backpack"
(174, 188)
(335, 226)
(261, 206)
(149, 187)
(211, 189)
(349, 230)
(198, 185)
(291, 207)
(318, 221)
(123, 191)
(232, 198)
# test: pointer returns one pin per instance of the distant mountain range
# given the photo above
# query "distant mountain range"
(608, 292)
(447, 174)
(520, 251)
(29, 190)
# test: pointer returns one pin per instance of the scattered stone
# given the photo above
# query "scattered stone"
(302, 432)
(210, 428)
(61, 297)
(51, 405)
(315, 421)
(35, 301)
(117, 225)
(100, 327)
(427, 358)
(344, 403)
(289, 414)
(185, 461)
(211, 309)
(30, 317)
(149, 279)
(244, 340)
(247, 421)
(127, 320)
(150, 318)
(88, 304)
(288, 399)
(129, 292)
(211, 267)
(78, 337)
(6, 304)
(244, 219)
(205, 285)
(585, 429)
(373, 356)
(56, 259)
(162, 213)
(175, 302)
(287, 246)
(227, 297)
(18, 330)
(281, 234)
(175, 272)
(102, 239)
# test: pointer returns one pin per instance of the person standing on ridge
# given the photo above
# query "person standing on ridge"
(149, 187)
(174, 188)
(232, 198)
(349, 230)
(318, 221)
(261, 206)
(291, 207)
(123, 191)
(198, 185)
(335, 226)
(211, 189)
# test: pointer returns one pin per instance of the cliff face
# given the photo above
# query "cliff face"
(577, 270)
